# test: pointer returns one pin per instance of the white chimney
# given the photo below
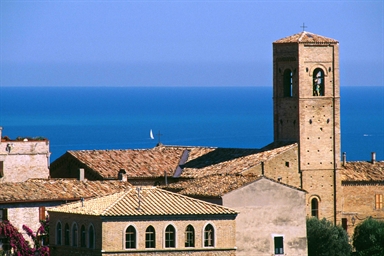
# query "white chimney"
(373, 156)
(81, 174)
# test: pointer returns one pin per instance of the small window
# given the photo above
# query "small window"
(150, 237)
(91, 237)
(3, 214)
(1, 169)
(288, 83)
(318, 82)
(130, 238)
(82, 236)
(190, 236)
(42, 215)
(378, 201)
(344, 223)
(58, 233)
(279, 245)
(74, 235)
(315, 208)
(66, 234)
(209, 235)
(170, 237)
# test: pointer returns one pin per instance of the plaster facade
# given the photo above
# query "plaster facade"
(269, 209)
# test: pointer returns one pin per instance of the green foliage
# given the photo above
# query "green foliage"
(325, 239)
(368, 238)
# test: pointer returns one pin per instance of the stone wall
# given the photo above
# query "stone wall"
(21, 160)
(358, 201)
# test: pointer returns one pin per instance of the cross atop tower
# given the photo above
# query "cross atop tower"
(303, 26)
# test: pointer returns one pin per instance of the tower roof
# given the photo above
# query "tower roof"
(306, 37)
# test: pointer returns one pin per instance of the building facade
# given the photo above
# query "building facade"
(142, 221)
(23, 158)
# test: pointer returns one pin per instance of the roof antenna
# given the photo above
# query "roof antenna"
(138, 189)
(303, 26)
(159, 135)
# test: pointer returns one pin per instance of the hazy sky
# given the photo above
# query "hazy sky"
(178, 43)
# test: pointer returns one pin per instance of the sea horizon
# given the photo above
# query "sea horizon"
(88, 118)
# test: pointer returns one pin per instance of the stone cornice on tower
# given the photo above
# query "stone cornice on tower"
(306, 37)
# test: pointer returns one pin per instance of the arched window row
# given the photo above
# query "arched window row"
(71, 235)
(169, 237)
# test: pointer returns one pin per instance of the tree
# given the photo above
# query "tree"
(19, 245)
(325, 239)
(368, 238)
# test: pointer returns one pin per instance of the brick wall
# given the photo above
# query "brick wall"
(110, 236)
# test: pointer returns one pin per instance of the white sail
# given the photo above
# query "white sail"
(151, 134)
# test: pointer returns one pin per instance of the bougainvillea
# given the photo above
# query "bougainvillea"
(19, 245)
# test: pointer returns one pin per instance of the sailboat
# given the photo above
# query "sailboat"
(151, 135)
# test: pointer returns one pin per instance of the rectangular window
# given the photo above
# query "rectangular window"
(1, 169)
(279, 245)
(344, 223)
(379, 201)
(42, 213)
(3, 214)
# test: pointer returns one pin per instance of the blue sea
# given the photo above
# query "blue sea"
(76, 118)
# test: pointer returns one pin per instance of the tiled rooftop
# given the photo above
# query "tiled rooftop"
(137, 163)
(362, 171)
(177, 161)
(57, 189)
(306, 37)
(211, 186)
(228, 161)
(153, 202)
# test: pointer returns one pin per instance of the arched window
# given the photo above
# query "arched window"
(315, 208)
(189, 236)
(66, 234)
(91, 237)
(170, 237)
(318, 82)
(288, 83)
(58, 233)
(150, 237)
(209, 234)
(82, 236)
(130, 238)
(74, 234)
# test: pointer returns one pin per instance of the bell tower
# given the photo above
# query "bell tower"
(306, 102)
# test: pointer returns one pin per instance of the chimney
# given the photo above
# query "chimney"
(262, 168)
(344, 158)
(122, 175)
(1, 129)
(373, 156)
(166, 178)
(81, 174)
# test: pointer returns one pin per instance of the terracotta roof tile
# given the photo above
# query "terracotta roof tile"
(362, 171)
(211, 186)
(306, 37)
(153, 202)
(136, 162)
(57, 189)
(227, 160)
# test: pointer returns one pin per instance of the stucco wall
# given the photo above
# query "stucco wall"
(267, 209)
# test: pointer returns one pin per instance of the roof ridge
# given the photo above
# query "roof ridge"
(124, 193)
(196, 200)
